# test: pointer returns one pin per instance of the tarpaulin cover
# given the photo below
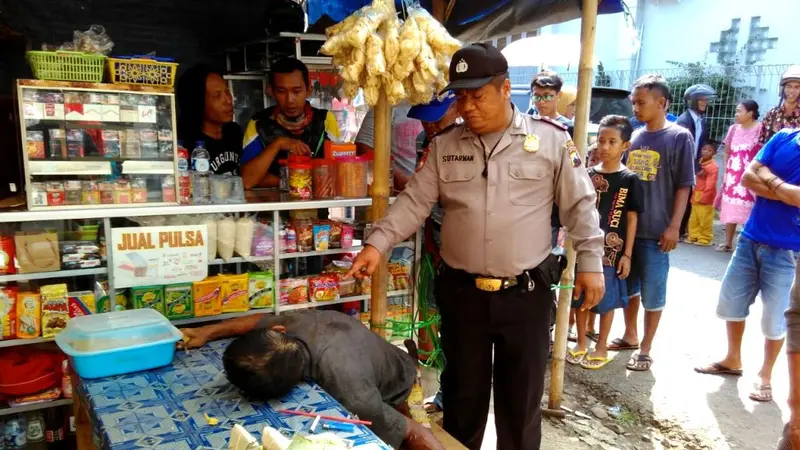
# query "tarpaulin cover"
(477, 20)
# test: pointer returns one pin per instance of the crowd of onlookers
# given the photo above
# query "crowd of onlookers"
(674, 196)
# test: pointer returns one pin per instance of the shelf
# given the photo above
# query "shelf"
(19, 342)
(225, 316)
(44, 168)
(56, 274)
(35, 407)
(352, 298)
(257, 201)
(333, 251)
(139, 167)
(239, 259)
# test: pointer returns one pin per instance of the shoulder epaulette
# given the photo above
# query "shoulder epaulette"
(556, 123)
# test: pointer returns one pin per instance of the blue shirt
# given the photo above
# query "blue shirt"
(773, 222)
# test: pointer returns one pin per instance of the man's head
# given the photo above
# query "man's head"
(203, 96)
(437, 115)
(479, 77)
(613, 137)
(545, 91)
(649, 98)
(790, 84)
(290, 86)
(696, 97)
(265, 364)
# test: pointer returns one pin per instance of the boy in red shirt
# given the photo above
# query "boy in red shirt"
(702, 219)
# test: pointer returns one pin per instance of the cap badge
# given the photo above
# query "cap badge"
(462, 66)
(531, 144)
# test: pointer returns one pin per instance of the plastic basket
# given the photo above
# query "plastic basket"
(142, 71)
(67, 66)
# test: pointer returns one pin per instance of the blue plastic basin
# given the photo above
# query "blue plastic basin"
(118, 343)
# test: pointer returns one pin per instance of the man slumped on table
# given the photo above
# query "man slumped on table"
(369, 376)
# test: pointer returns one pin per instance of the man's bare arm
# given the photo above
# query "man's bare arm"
(752, 181)
(783, 191)
(255, 172)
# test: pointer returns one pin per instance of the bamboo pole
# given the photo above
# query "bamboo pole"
(588, 26)
(380, 204)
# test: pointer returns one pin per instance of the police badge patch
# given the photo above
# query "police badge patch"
(574, 156)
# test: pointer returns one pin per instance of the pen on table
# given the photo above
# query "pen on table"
(328, 418)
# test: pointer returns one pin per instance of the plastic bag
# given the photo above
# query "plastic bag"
(390, 31)
(226, 237)
(410, 40)
(93, 40)
(245, 230)
(376, 64)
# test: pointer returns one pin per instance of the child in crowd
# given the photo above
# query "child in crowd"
(701, 220)
(662, 155)
(619, 202)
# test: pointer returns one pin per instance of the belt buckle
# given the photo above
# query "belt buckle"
(488, 284)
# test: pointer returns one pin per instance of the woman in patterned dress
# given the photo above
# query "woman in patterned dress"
(741, 146)
(787, 113)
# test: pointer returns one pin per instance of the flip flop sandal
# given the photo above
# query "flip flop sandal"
(724, 248)
(594, 337)
(576, 358)
(718, 369)
(761, 393)
(619, 345)
(594, 362)
(640, 363)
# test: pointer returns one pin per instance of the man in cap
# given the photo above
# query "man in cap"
(497, 177)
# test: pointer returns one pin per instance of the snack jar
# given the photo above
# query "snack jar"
(300, 180)
(351, 180)
(324, 178)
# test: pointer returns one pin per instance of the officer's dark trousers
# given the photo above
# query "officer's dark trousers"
(512, 326)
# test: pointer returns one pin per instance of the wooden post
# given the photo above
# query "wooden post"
(380, 204)
(585, 78)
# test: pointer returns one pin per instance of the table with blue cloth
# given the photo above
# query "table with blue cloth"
(165, 408)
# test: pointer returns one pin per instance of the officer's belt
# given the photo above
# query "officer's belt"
(495, 284)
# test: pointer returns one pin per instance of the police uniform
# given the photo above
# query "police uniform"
(494, 292)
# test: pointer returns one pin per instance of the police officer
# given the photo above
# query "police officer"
(497, 177)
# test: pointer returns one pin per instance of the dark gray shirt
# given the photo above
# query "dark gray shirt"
(366, 374)
(664, 161)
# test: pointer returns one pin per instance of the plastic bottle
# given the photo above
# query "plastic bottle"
(54, 429)
(201, 183)
(184, 184)
(36, 431)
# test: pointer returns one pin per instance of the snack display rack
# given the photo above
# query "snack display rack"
(97, 145)
(271, 203)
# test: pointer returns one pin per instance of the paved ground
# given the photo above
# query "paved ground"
(672, 398)
(716, 408)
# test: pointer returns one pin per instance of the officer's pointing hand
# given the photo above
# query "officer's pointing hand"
(592, 285)
(365, 263)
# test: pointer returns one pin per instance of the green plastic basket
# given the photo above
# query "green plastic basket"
(67, 66)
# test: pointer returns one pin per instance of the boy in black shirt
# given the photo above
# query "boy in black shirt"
(619, 201)
(206, 114)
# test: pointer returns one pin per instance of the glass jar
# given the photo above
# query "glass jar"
(351, 179)
(324, 178)
(300, 180)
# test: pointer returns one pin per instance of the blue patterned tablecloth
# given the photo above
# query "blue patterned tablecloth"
(163, 408)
